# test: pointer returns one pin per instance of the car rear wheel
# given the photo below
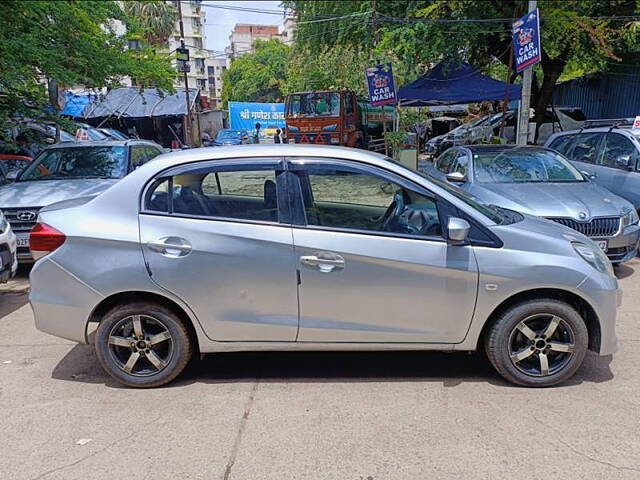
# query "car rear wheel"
(538, 343)
(143, 344)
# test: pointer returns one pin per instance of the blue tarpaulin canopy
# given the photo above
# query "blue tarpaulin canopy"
(464, 84)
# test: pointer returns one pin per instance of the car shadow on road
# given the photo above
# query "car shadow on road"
(450, 369)
(624, 270)
(11, 301)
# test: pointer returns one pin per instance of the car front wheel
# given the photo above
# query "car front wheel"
(143, 344)
(537, 343)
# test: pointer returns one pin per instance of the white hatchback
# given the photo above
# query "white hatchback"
(8, 259)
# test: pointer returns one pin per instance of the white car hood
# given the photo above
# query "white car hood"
(39, 193)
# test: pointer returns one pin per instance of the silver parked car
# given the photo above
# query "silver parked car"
(301, 247)
(65, 171)
(609, 150)
(541, 182)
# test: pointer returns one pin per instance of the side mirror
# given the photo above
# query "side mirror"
(12, 175)
(624, 161)
(456, 177)
(457, 231)
(589, 175)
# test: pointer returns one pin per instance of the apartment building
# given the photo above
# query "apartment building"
(215, 68)
(243, 35)
(194, 18)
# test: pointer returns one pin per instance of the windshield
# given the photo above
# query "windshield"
(228, 134)
(523, 166)
(314, 104)
(79, 162)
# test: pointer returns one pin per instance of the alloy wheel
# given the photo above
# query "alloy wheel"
(541, 345)
(140, 345)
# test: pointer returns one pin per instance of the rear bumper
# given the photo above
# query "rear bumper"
(61, 303)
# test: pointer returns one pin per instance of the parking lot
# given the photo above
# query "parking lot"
(313, 415)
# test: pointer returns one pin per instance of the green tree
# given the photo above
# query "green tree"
(258, 76)
(66, 44)
(577, 36)
(156, 20)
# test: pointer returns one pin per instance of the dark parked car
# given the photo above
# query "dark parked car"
(231, 137)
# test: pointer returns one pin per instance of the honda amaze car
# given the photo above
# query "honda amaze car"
(303, 247)
(64, 171)
(541, 182)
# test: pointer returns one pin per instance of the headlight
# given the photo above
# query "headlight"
(594, 257)
(630, 218)
(4, 225)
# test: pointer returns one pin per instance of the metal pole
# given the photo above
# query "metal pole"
(525, 101)
(187, 122)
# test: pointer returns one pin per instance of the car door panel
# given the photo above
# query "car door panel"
(237, 274)
(239, 279)
(360, 282)
(390, 289)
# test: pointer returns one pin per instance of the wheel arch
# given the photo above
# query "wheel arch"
(582, 306)
(122, 298)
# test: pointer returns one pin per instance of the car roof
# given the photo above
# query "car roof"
(104, 143)
(501, 148)
(605, 129)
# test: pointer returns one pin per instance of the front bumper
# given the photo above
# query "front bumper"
(605, 297)
(623, 246)
(8, 258)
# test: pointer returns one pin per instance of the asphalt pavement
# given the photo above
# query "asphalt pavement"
(361, 416)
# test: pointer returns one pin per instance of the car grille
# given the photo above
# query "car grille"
(597, 227)
(19, 225)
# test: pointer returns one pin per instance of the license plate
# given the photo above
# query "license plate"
(602, 244)
(22, 240)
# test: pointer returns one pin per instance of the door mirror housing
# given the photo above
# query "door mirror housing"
(456, 177)
(589, 175)
(12, 175)
(457, 231)
(624, 161)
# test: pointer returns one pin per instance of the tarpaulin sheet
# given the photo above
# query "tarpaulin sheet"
(459, 85)
(131, 102)
(76, 104)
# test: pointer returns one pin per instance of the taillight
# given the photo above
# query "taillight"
(44, 239)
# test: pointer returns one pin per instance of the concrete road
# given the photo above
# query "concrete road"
(314, 415)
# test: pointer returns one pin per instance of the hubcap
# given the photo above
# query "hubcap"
(541, 345)
(140, 345)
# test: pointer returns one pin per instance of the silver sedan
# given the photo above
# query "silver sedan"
(294, 247)
(539, 181)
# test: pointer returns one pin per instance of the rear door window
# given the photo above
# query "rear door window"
(586, 148)
(618, 148)
(242, 192)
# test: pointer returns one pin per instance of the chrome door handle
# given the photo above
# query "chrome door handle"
(171, 246)
(325, 262)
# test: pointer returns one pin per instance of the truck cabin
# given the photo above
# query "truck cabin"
(328, 117)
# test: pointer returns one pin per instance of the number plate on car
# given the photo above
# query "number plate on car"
(602, 244)
(22, 240)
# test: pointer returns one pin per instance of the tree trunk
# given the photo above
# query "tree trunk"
(552, 69)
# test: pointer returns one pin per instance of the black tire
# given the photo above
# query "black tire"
(154, 362)
(537, 361)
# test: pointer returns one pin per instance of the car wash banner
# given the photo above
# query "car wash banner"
(244, 115)
(380, 82)
(526, 41)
